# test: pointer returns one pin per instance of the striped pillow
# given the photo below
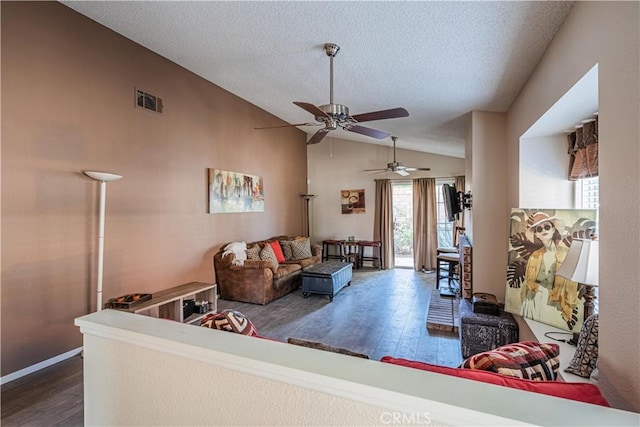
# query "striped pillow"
(529, 360)
(230, 321)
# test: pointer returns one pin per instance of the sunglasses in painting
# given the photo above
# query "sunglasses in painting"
(541, 228)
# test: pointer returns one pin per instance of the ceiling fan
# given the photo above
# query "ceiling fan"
(397, 166)
(334, 116)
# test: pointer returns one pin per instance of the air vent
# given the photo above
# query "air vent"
(147, 101)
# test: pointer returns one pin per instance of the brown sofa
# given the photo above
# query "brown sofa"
(258, 281)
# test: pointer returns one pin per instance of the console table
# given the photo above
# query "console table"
(168, 303)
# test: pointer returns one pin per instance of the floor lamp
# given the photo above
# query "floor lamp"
(103, 177)
(308, 198)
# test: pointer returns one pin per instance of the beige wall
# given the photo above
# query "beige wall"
(489, 211)
(337, 164)
(607, 34)
(543, 173)
(68, 106)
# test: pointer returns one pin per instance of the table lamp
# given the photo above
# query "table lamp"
(581, 265)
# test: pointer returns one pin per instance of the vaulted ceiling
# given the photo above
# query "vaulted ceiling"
(439, 60)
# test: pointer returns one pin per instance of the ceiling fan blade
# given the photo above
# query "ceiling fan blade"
(288, 126)
(375, 170)
(317, 137)
(417, 169)
(374, 133)
(393, 113)
(312, 109)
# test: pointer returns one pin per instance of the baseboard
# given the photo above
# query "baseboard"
(44, 364)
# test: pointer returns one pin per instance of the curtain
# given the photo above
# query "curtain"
(459, 222)
(383, 221)
(425, 231)
(583, 151)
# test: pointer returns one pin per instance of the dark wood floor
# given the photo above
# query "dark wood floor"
(381, 313)
(50, 397)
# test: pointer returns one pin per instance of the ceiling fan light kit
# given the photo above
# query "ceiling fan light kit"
(334, 116)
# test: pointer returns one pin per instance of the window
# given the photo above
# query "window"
(402, 194)
(588, 193)
(445, 228)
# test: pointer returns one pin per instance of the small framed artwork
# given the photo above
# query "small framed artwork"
(235, 192)
(352, 201)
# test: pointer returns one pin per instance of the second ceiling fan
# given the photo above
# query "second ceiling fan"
(334, 116)
(397, 166)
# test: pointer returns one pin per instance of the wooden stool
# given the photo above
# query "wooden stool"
(338, 245)
(451, 261)
(376, 252)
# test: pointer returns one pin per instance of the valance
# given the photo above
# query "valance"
(583, 150)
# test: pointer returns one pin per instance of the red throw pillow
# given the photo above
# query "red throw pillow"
(277, 249)
(581, 392)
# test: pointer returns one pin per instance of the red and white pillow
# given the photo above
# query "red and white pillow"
(230, 321)
(529, 360)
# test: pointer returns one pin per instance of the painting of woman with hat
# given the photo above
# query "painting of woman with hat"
(539, 245)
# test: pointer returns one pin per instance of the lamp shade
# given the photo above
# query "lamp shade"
(581, 263)
(102, 176)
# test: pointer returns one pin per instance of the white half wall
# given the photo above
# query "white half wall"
(140, 370)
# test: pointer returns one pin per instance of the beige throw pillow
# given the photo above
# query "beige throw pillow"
(253, 253)
(286, 249)
(266, 254)
(301, 249)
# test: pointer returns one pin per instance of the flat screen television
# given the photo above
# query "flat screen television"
(451, 202)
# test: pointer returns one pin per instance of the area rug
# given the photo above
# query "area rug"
(442, 313)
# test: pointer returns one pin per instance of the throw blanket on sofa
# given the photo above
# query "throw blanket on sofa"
(239, 251)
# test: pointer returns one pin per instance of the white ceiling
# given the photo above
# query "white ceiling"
(439, 60)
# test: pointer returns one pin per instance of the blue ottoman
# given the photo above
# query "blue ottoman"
(326, 278)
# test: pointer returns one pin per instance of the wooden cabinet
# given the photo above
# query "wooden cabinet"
(168, 304)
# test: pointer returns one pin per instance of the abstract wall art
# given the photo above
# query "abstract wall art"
(352, 201)
(235, 192)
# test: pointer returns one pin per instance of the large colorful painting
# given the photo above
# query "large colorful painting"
(352, 201)
(538, 244)
(235, 192)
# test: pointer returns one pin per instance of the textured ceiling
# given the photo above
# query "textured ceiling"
(439, 60)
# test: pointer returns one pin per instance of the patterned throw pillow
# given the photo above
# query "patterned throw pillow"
(230, 321)
(301, 249)
(254, 252)
(529, 360)
(286, 249)
(266, 254)
(586, 356)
